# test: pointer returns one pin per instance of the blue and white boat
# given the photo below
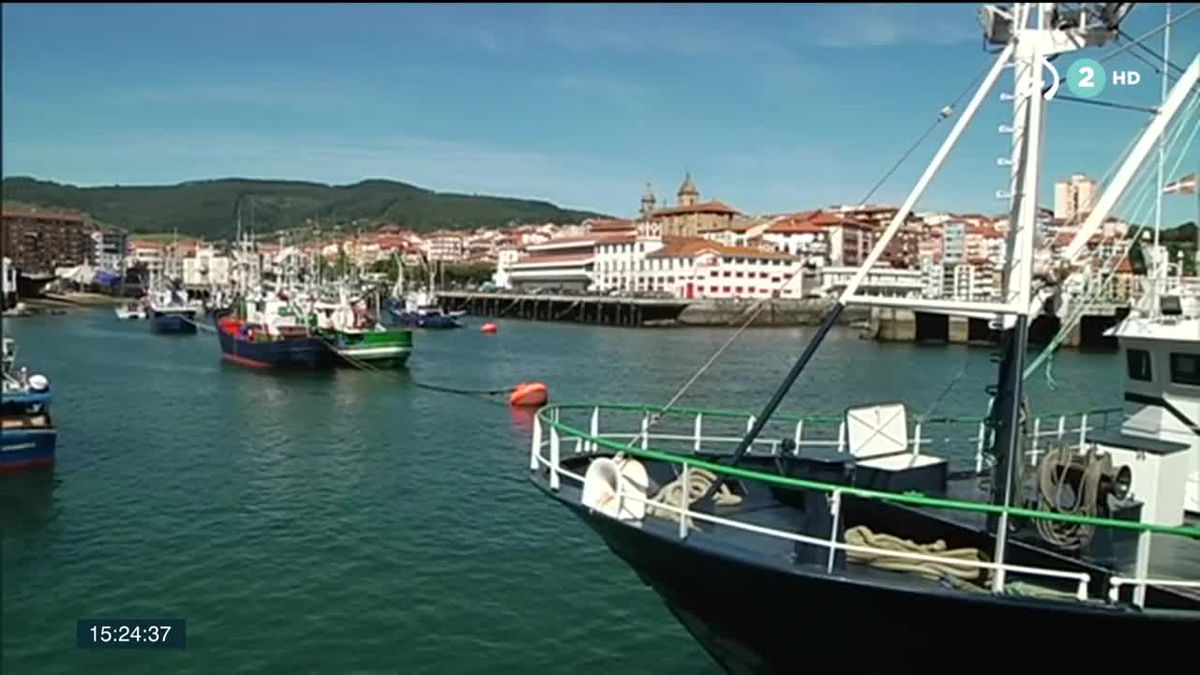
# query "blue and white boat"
(171, 311)
(29, 436)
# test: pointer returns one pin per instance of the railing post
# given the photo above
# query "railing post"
(1062, 427)
(998, 554)
(536, 446)
(683, 528)
(1082, 431)
(835, 508)
(979, 448)
(917, 440)
(799, 433)
(645, 430)
(1141, 568)
(842, 436)
(698, 432)
(554, 453)
(579, 443)
(1037, 430)
(594, 429)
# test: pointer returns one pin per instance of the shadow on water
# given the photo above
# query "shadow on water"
(27, 499)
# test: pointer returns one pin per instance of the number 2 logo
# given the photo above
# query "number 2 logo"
(1088, 79)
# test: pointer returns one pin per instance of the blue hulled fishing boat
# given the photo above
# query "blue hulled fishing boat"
(270, 332)
(29, 437)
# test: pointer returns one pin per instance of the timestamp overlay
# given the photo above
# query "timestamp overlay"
(131, 633)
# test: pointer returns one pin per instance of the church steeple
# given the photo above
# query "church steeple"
(688, 194)
(648, 200)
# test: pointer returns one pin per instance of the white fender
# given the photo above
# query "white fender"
(600, 488)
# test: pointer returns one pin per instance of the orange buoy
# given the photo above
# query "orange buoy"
(529, 395)
(489, 328)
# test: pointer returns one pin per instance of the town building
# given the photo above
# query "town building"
(1074, 198)
(109, 249)
(206, 268)
(445, 246)
(689, 217)
(39, 242)
(881, 281)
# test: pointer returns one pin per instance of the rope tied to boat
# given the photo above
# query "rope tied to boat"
(861, 535)
(698, 483)
(371, 368)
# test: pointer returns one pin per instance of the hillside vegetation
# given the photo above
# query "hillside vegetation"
(209, 208)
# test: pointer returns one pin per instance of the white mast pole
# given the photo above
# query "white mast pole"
(1157, 274)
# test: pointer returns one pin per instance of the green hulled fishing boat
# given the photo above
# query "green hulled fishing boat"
(376, 346)
(356, 335)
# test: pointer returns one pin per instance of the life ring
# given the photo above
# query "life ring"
(600, 488)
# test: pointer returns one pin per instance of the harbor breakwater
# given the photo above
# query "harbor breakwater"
(624, 311)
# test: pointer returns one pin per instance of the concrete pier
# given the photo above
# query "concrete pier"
(621, 311)
(896, 325)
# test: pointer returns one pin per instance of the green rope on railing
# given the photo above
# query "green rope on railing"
(914, 499)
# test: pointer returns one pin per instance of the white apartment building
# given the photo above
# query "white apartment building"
(1075, 197)
(109, 250)
(445, 247)
(506, 257)
(205, 269)
(882, 281)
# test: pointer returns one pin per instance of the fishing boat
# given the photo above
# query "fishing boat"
(879, 541)
(356, 335)
(29, 436)
(271, 330)
(171, 311)
(419, 308)
(131, 311)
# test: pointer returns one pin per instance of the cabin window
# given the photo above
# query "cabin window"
(1138, 363)
(1185, 369)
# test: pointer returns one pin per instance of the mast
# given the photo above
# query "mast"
(1158, 273)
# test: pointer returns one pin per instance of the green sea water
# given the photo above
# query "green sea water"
(350, 522)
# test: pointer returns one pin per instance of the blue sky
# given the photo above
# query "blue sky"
(771, 107)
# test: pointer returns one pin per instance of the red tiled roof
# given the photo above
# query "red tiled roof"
(609, 224)
(685, 247)
(564, 258)
(42, 215)
(706, 207)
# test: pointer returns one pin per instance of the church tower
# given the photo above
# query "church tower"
(688, 195)
(648, 200)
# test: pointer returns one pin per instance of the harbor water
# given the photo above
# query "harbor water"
(355, 522)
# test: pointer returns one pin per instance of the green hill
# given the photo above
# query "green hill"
(209, 208)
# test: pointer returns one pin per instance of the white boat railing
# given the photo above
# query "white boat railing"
(546, 451)
(827, 432)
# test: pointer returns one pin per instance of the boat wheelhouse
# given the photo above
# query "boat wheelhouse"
(876, 541)
(28, 437)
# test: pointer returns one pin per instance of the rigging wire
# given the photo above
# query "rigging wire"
(1142, 194)
(1160, 58)
(1149, 35)
(1106, 104)
(761, 303)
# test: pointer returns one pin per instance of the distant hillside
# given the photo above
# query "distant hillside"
(209, 208)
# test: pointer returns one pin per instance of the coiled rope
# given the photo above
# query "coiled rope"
(1052, 483)
(698, 483)
(861, 535)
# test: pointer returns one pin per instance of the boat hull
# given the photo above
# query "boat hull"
(25, 449)
(173, 322)
(299, 353)
(411, 320)
(378, 349)
(753, 618)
